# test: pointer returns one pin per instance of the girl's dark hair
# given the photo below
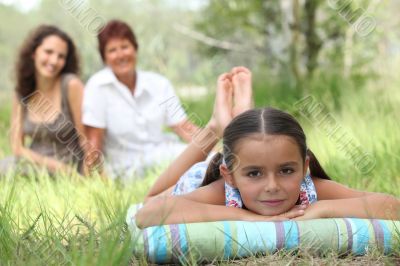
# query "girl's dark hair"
(25, 67)
(267, 121)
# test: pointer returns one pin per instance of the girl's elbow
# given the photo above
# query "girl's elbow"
(148, 215)
(396, 203)
(146, 218)
(392, 200)
(393, 208)
(390, 206)
(139, 219)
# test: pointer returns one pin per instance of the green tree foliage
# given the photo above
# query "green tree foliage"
(298, 41)
(292, 46)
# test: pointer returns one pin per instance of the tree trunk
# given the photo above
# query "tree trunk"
(313, 42)
(294, 54)
(348, 52)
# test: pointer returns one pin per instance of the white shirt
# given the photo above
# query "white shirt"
(134, 124)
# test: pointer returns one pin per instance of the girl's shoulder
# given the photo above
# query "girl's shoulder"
(189, 186)
(213, 193)
(191, 179)
(308, 193)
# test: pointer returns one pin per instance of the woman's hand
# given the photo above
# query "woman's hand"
(58, 167)
(296, 212)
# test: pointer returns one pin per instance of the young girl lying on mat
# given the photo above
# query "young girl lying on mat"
(265, 173)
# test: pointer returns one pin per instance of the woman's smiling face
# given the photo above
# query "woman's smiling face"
(268, 173)
(120, 56)
(50, 56)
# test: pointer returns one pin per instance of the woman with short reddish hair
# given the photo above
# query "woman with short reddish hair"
(125, 109)
(115, 29)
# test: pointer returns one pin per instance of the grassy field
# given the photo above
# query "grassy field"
(71, 221)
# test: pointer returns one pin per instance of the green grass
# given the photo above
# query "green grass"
(70, 221)
(65, 221)
(5, 113)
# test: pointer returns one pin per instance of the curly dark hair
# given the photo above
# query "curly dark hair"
(25, 67)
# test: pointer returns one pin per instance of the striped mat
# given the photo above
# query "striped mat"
(180, 243)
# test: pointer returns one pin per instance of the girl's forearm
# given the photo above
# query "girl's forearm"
(198, 149)
(376, 205)
(175, 210)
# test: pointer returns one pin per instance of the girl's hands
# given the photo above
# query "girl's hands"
(316, 210)
(296, 212)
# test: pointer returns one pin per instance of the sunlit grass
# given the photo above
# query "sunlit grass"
(64, 221)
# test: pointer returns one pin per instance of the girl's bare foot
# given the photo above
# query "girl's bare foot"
(222, 114)
(242, 90)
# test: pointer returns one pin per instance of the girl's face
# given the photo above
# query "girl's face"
(268, 173)
(50, 56)
(120, 56)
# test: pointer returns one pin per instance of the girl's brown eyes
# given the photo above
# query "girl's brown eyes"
(257, 173)
(287, 171)
(254, 173)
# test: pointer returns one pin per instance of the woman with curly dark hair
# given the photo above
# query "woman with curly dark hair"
(46, 110)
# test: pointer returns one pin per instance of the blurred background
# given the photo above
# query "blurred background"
(333, 64)
(343, 53)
